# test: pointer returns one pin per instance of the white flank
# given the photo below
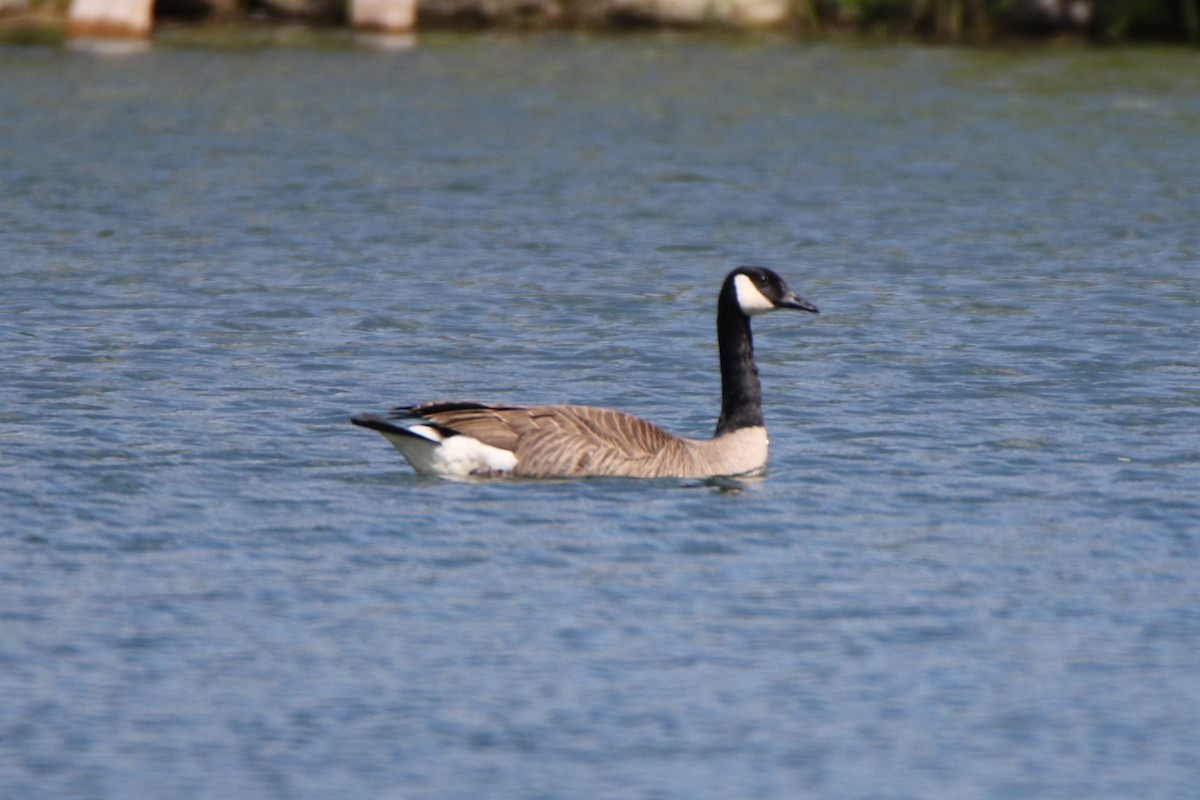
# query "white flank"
(749, 298)
(452, 456)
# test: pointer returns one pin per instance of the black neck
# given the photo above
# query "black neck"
(741, 393)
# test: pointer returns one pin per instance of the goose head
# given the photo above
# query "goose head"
(757, 290)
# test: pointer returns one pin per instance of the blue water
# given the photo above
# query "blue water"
(972, 570)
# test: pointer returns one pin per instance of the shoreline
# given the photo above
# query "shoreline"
(283, 22)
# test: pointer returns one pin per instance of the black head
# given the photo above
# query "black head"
(757, 290)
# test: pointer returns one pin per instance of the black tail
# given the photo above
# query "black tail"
(378, 423)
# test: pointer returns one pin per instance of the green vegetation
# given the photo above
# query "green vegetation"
(956, 20)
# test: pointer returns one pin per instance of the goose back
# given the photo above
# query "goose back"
(560, 441)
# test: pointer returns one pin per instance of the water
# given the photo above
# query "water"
(971, 571)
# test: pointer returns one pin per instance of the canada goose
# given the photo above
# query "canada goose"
(458, 440)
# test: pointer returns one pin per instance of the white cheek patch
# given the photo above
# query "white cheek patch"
(749, 298)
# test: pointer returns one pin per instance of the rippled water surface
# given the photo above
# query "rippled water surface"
(972, 571)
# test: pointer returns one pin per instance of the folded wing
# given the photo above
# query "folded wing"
(557, 440)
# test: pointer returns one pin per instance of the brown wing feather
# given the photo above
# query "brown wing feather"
(581, 440)
(491, 424)
(557, 440)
